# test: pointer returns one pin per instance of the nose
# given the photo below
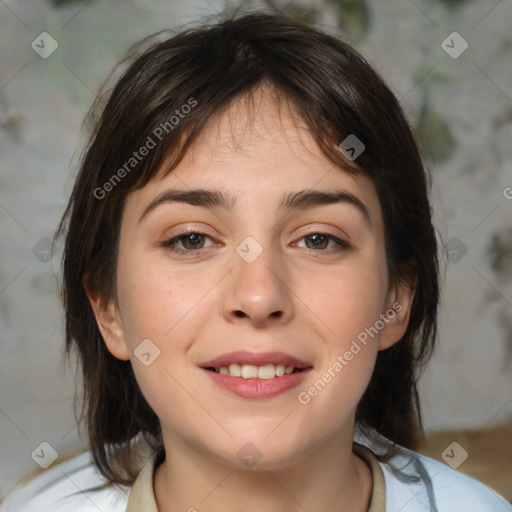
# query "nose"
(259, 292)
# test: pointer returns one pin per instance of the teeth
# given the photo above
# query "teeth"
(267, 371)
(250, 371)
(235, 370)
(280, 369)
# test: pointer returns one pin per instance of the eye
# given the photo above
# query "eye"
(320, 242)
(191, 241)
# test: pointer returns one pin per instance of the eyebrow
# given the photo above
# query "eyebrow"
(302, 199)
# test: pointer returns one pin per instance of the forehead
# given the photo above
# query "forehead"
(255, 122)
(257, 147)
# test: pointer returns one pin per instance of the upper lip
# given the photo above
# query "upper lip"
(256, 359)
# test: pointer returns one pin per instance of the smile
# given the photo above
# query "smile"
(250, 371)
(256, 375)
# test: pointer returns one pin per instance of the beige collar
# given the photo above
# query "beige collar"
(378, 499)
(142, 496)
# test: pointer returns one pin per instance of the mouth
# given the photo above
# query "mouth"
(256, 365)
(251, 371)
(257, 375)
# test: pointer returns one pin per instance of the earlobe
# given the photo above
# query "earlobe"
(107, 318)
(397, 314)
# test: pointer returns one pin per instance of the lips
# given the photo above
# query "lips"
(256, 359)
(257, 375)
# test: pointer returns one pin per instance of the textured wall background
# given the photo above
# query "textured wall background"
(458, 98)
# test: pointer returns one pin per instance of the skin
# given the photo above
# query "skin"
(309, 302)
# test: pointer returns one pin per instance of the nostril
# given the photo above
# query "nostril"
(240, 314)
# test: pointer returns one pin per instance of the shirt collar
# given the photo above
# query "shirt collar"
(378, 497)
(142, 496)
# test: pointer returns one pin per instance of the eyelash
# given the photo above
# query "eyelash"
(169, 244)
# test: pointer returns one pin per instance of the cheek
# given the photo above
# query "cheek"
(351, 301)
(349, 306)
(163, 308)
(351, 350)
(156, 303)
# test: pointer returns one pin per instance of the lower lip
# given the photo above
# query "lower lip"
(258, 388)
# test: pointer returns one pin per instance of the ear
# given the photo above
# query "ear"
(109, 324)
(397, 313)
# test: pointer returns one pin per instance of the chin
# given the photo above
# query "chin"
(260, 453)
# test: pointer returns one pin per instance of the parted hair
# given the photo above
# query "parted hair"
(209, 65)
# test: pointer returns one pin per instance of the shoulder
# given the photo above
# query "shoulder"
(67, 486)
(415, 483)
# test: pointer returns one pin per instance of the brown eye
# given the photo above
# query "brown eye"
(190, 242)
(320, 241)
(317, 241)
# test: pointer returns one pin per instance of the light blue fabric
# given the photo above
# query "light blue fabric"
(414, 483)
(417, 483)
(64, 488)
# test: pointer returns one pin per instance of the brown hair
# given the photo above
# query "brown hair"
(337, 94)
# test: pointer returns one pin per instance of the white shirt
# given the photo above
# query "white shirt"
(411, 483)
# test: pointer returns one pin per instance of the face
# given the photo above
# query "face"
(275, 276)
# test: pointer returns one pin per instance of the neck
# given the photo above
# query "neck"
(330, 478)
